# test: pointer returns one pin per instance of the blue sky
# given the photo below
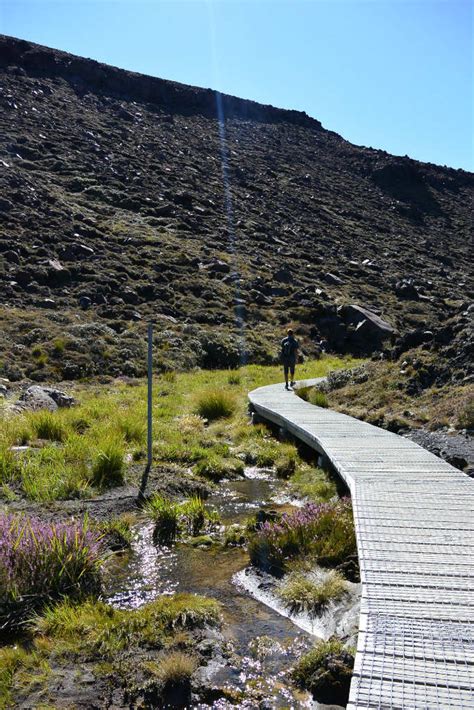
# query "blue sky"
(395, 74)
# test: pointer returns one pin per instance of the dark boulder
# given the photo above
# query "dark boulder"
(370, 329)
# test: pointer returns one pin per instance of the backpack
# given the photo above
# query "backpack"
(286, 349)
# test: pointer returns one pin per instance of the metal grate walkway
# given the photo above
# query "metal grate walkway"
(414, 519)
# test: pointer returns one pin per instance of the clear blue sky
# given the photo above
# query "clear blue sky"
(392, 74)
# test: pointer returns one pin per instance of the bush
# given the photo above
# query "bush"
(215, 404)
(108, 467)
(326, 671)
(323, 531)
(40, 562)
(301, 593)
(318, 398)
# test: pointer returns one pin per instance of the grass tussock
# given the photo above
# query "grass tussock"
(173, 520)
(466, 415)
(312, 483)
(109, 466)
(117, 532)
(301, 593)
(176, 668)
(317, 398)
(47, 426)
(215, 404)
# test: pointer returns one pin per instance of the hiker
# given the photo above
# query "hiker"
(289, 349)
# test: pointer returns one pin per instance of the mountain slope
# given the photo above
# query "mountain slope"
(124, 198)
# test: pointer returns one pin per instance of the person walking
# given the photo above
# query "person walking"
(289, 351)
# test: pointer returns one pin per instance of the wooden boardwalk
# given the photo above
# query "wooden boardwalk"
(414, 519)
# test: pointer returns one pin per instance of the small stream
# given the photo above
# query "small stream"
(146, 571)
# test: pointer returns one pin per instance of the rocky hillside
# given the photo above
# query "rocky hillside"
(126, 198)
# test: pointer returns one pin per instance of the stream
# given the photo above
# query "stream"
(263, 642)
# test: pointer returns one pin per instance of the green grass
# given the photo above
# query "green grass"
(100, 630)
(97, 632)
(173, 520)
(214, 404)
(88, 442)
(301, 594)
(286, 461)
(317, 398)
(109, 466)
(22, 668)
(312, 483)
(326, 671)
(117, 532)
(47, 426)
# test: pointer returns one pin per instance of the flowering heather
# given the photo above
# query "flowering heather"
(41, 561)
(323, 531)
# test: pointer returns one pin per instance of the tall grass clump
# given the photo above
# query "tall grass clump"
(172, 520)
(215, 467)
(300, 593)
(108, 468)
(313, 483)
(466, 416)
(133, 428)
(41, 561)
(9, 468)
(285, 464)
(215, 404)
(164, 514)
(317, 398)
(323, 532)
(47, 425)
